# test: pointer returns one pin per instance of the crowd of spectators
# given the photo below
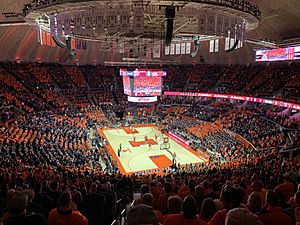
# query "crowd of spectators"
(56, 168)
(202, 194)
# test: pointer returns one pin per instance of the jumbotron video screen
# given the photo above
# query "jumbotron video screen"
(142, 84)
(147, 86)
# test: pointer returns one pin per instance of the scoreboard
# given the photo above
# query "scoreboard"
(142, 83)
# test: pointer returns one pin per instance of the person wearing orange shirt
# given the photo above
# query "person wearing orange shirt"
(162, 204)
(287, 187)
(148, 200)
(242, 216)
(257, 186)
(155, 192)
(231, 198)
(254, 202)
(188, 216)
(297, 206)
(208, 209)
(191, 189)
(274, 214)
(174, 207)
(144, 189)
(64, 214)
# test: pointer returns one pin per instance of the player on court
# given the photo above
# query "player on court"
(149, 144)
(174, 159)
(119, 150)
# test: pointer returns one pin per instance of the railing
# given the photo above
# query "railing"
(121, 218)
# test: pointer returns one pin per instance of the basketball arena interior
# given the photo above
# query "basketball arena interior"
(149, 112)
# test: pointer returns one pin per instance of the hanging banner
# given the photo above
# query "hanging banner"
(182, 48)
(227, 44)
(219, 28)
(177, 49)
(148, 53)
(226, 25)
(216, 45)
(138, 20)
(172, 49)
(99, 14)
(67, 23)
(232, 27)
(112, 21)
(39, 33)
(88, 22)
(52, 25)
(156, 52)
(202, 23)
(243, 31)
(238, 35)
(239, 32)
(59, 24)
(211, 46)
(211, 23)
(122, 47)
(124, 19)
(167, 50)
(144, 50)
(231, 42)
(188, 48)
(77, 23)
(83, 44)
(240, 44)
(78, 44)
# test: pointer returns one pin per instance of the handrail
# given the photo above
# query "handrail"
(132, 203)
(114, 222)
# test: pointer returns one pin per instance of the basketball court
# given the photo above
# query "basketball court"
(144, 150)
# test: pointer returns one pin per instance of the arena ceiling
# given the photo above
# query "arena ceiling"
(279, 23)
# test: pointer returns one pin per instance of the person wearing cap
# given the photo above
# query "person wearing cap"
(17, 207)
(64, 214)
(188, 216)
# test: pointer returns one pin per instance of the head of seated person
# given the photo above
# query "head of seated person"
(240, 216)
(272, 199)
(142, 215)
(254, 202)
(174, 204)
(189, 207)
(232, 196)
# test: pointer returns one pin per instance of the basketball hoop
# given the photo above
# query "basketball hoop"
(166, 144)
(166, 139)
